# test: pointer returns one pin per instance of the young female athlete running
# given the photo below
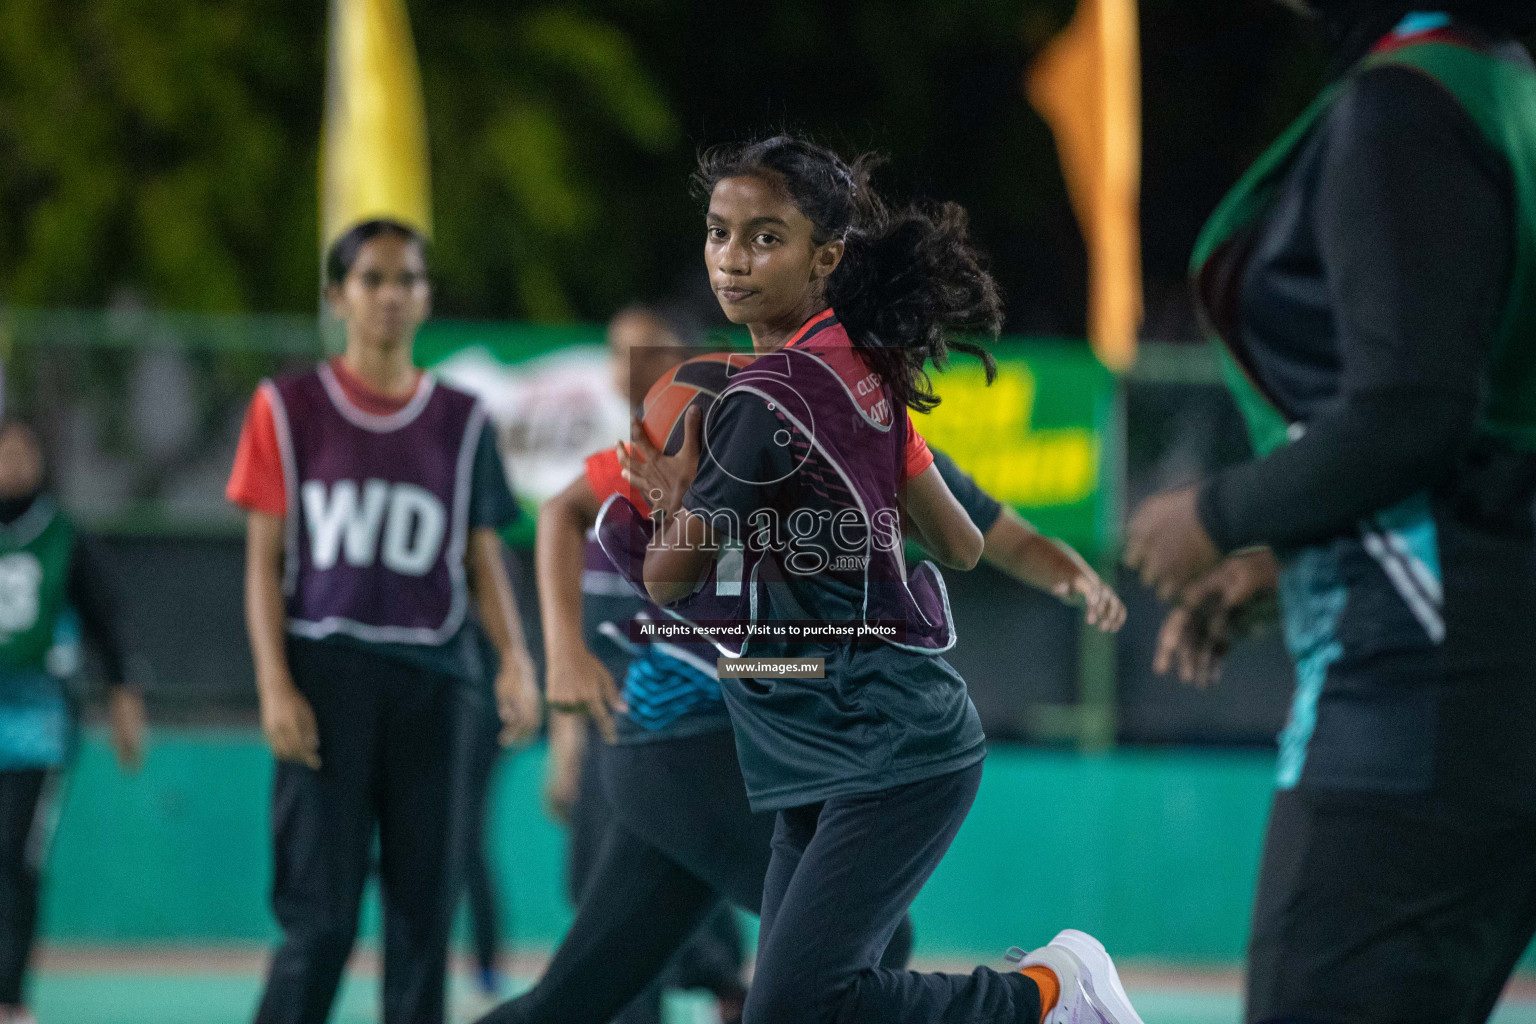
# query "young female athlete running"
(808, 472)
(375, 495)
(46, 569)
(681, 835)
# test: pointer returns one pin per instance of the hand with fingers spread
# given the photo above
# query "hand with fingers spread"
(1053, 565)
(517, 698)
(580, 684)
(1166, 542)
(1213, 611)
(663, 479)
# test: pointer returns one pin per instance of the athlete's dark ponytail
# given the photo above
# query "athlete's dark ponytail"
(911, 286)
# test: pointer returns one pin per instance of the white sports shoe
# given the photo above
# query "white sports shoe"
(1091, 992)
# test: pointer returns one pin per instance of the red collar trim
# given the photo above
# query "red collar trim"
(815, 325)
(1452, 35)
(365, 397)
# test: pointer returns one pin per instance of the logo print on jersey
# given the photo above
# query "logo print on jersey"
(21, 580)
(345, 522)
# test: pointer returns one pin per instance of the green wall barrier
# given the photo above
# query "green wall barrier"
(1155, 852)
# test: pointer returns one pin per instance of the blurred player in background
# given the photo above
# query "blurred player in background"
(643, 343)
(477, 755)
(46, 570)
(586, 608)
(375, 496)
(1371, 281)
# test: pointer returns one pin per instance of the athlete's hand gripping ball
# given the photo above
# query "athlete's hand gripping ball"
(1166, 543)
(580, 684)
(663, 479)
(517, 698)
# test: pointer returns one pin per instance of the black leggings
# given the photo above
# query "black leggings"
(387, 735)
(681, 839)
(475, 765)
(710, 959)
(844, 873)
(23, 840)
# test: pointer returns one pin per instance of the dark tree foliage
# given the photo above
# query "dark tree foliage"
(165, 150)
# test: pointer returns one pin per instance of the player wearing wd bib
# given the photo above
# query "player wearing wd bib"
(792, 509)
(375, 496)
(1370, 282)
(378, 509)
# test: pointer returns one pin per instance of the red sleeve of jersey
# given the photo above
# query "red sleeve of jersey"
(607, 478)
(256, 484)
(919, 457)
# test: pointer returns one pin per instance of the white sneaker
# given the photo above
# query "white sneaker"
(1091, 992)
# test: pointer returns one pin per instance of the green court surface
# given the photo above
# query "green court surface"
(171, 994)
(219, 997)
(156, 905)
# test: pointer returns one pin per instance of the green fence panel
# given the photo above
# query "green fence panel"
(1154, 852)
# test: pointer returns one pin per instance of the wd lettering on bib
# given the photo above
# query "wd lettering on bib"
(378, 509)
(412, 521)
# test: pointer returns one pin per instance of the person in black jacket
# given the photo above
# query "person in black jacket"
(1369, 281)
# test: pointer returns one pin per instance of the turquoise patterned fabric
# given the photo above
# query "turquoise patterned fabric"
(1314, 596)
(34, 720)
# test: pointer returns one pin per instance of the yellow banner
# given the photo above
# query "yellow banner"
(373, 154)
